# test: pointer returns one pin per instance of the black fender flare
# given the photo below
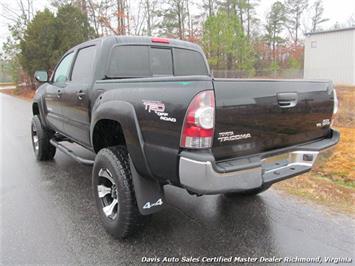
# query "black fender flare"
(38, 99)
(124, 113)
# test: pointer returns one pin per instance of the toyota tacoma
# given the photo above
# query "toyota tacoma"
(153, 114)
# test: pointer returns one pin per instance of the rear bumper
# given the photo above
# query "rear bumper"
(199, 172)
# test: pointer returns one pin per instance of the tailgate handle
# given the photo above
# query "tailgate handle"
(287, 99)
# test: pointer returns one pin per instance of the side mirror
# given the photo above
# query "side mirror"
(41, 76)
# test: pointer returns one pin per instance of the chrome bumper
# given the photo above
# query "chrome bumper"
(206, 177)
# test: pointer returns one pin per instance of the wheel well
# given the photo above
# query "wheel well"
(107, 133)
(35, 109)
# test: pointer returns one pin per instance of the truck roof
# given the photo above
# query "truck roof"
(141, 40)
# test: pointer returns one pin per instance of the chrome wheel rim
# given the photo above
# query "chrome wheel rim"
(108, 194)
(35, 138)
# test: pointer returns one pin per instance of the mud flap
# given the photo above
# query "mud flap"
(149, 193)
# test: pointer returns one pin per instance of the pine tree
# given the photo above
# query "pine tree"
(274, 26)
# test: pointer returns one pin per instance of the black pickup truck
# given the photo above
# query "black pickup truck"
(154, 115)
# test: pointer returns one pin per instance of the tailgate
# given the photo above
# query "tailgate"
(254, 116)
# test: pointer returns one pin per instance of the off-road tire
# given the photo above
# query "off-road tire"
(128, 218)
(248, 193)
(44, 151)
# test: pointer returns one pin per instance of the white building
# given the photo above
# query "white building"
(331, 55)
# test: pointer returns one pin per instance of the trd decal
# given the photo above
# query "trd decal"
(159, 109)
(155, 106)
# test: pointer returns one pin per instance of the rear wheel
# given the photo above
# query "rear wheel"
(42, 148)
(251, 192)
(114, 192)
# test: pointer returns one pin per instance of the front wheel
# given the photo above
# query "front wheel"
(114, 192)
(44, 151)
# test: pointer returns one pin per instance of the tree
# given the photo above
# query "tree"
(72, 28)
(174, 19)
(150, 14)
(294, 11)
(23, 11)
(351, 21)
(275, 21)
(317, 17)
(209, 6)
(38, 43)
(47, 37)
(18, 18)
(226, 45)
(250, 6)
(244, 10)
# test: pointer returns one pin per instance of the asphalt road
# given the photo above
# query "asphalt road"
(48, 216)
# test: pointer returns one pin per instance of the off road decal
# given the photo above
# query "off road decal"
(158, 108)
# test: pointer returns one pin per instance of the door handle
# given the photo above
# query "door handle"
(287, 99)
(80, 94)
(59, 93)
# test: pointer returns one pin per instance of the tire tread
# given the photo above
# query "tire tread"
(130, 217)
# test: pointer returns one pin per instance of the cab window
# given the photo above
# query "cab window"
(84, 64)
(62, 72)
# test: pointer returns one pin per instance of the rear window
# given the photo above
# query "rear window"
(161, 61)
(188, 62)
(129, 61)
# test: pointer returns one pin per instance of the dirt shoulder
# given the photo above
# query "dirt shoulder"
(26, 94)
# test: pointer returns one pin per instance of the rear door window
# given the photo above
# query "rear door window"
(129, 61)
(84, 63)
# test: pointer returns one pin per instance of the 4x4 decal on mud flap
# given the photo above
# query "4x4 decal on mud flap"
(159, 109)
(149, 205)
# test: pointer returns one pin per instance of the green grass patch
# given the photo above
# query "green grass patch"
(341, 182)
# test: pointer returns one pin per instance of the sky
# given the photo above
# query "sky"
(336, 10)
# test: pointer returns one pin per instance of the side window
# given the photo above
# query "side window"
(84, 63)
(129, 61)
(62, 72)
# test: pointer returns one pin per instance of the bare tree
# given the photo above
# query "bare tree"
(351, 21)
(295, 9)
(109, 16)
(317, 17)
(23, 10)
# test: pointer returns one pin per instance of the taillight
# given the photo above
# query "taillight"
(336, 103)
(198, 127)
